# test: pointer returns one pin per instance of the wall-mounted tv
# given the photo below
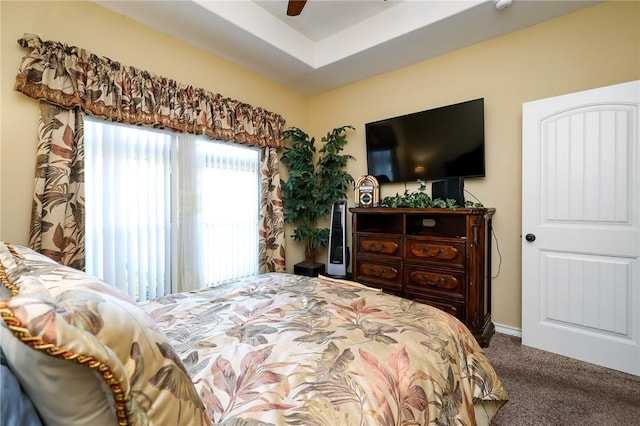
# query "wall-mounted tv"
(439, 143)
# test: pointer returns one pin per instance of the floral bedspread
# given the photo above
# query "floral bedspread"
(290, 350)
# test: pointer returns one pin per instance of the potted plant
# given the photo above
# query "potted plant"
(420, 199)
(314, 183)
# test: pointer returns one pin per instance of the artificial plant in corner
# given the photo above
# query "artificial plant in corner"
(315, 182)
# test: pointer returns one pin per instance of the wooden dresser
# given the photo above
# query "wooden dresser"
(440, 257)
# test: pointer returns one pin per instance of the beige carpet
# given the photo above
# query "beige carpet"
(549, 389)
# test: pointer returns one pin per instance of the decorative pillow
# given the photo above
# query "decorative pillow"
(15, 405)
(63, 392)
(69, 316)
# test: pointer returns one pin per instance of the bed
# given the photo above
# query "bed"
(273, 349)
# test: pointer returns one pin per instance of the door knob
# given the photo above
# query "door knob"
(530, 237)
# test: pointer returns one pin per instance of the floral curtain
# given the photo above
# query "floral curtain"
(57, 216)
(73, 77)
(272, 215)
(78, 81)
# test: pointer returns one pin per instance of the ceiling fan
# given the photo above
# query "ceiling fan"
(294, 8)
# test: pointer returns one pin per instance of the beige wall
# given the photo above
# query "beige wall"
(591, 48)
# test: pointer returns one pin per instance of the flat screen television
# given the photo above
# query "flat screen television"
(440, 143)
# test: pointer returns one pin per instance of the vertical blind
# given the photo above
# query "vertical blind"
(232, 179)
(168, 212)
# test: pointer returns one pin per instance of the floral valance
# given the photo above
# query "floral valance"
(70, 76)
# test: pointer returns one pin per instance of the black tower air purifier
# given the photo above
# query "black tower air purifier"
(338, 253)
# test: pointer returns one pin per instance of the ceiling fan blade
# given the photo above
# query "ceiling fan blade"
(294, 8)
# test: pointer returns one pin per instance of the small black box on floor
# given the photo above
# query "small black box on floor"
(308, 269)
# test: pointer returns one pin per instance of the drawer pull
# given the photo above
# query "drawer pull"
(435, 283)
(376, 273)
(380, 247)
(422, 279)
(429, 253)
(374, 247)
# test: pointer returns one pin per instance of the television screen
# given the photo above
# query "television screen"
(439, 143)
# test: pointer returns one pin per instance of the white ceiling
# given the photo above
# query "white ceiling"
(334, 43)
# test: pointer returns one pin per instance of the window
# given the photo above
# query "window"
(168, 212)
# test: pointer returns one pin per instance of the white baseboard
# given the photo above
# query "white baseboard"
(506, 329)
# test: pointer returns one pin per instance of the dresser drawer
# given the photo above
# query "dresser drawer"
(443, 252)
(379, 246)
(419, 280)
(452, 308)
(385, 275)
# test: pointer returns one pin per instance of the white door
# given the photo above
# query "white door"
(581, 226)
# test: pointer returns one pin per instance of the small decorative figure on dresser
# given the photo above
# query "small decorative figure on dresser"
(367, 191)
